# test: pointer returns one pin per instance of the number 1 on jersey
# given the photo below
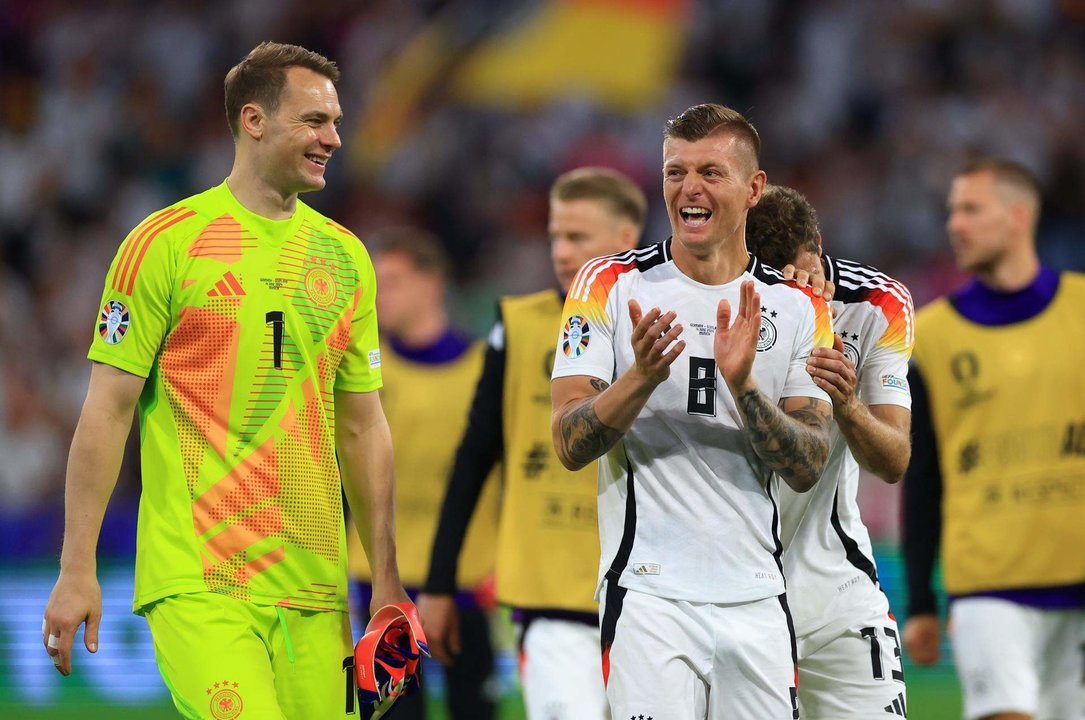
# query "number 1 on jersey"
(275, 318)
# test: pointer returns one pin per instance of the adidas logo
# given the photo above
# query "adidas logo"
(897, 707)
(228, 286)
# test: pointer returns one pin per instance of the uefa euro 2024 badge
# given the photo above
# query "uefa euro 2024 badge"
(575, 336)
(113, 322)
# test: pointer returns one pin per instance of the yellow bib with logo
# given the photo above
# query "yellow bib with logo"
(548, 540)
(1008, 408)
(427, 406)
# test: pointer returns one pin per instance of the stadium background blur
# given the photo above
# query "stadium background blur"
(458, 116)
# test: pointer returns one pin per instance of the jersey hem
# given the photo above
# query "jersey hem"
(142, 603)
(586, 371)
(356, 388)
(753, 594)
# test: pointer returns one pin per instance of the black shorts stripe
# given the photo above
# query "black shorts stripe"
(612, 610)
(782, 597)
(851, 548)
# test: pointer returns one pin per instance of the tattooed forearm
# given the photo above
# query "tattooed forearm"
(583, 436)
(794, 444)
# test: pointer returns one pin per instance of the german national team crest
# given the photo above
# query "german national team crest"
(575, 337)
(320, 285)
(767, 335)
(225, 700)
(113, 322)
(851, 352)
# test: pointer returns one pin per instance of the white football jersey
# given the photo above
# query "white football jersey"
(828, 559)
(687, 510)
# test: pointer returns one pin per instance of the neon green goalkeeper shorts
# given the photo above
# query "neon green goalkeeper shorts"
(223, 658)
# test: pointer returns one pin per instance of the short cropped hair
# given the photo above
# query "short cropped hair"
(700, 121)
(622, 196)
(423, 249)
(261, 76)
(781, 225)
(1007, 171)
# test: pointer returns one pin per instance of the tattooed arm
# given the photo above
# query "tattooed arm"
(579, 435)
(590, 416)
(792, 439)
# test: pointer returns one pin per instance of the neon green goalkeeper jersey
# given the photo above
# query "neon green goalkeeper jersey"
(243, 327)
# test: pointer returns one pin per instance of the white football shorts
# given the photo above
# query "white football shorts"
(1012, 657)
(560, 671)
(853, 672)
(679, 660)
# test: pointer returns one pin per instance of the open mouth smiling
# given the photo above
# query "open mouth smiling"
(695, 215)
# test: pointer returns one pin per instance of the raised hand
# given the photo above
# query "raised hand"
(834, 373)
(653, 332)
(735, 345)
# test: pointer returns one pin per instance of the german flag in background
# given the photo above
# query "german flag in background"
(620, 54)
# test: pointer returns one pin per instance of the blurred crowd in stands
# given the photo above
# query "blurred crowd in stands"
(110, 110)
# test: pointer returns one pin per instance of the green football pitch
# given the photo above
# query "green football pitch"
(122, 682)
(932, 695)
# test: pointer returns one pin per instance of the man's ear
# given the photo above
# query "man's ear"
(817, 240)
(757, 188)
(253, 120)
(1022, 215)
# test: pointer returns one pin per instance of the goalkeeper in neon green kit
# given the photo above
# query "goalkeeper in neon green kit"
(242, 323)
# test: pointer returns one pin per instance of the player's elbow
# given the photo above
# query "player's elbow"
(892, 476)
(802, 474)
(569, 463)
(892, 466)
(894, 471)
(557, 438)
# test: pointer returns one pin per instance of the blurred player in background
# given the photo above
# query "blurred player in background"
(849, 647)
(242, 323)
(689, 433)
(548, 548)
(998, 466)
(430, 370)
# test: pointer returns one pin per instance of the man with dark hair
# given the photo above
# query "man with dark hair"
(242, 324)
(430, 370)
(783, 226)
(548, 540)
(998, 465)
(262, 75)
(689, 433)
(848, 643)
